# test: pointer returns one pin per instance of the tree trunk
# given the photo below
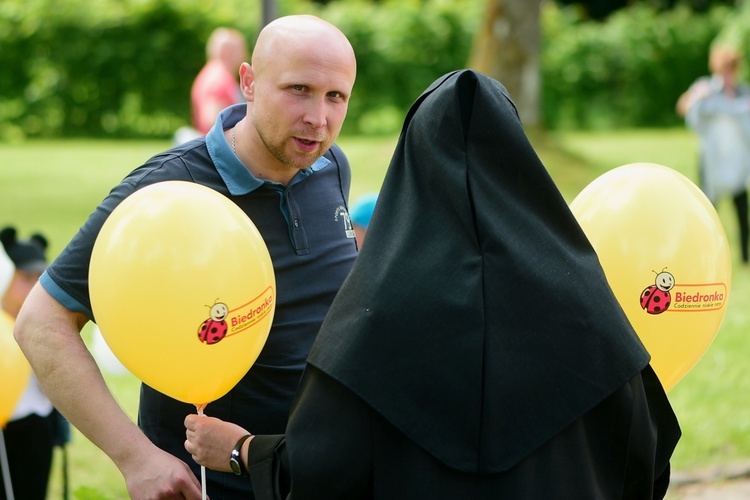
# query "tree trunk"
(507, 48)
(270, 12)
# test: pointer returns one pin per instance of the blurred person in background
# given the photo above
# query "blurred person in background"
(35, 426)
(717, 108)
(216, 86)
(360, 213)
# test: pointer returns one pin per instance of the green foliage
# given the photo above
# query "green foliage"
(735, 32)
(83, 68)
(123, 68)
(627, 71)
(401, 48)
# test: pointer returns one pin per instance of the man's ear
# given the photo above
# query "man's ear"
(247, 79)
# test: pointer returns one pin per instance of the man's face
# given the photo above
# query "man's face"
(299, 102)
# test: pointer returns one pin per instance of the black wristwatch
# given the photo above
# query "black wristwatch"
(235, 460)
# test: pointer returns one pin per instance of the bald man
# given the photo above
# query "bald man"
(276, 159)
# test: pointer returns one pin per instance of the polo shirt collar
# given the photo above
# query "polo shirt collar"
(238, 179)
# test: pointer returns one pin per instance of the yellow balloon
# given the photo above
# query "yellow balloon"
(183, 289)
(15, 371)
(666, 256)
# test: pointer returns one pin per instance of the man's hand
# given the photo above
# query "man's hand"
(210, 441)
(160, 476)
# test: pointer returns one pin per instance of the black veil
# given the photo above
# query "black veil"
(477, 318)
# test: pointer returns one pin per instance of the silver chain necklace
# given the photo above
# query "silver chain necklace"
(234, 147)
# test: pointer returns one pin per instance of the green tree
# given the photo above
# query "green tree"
(507, 48)
(601, 9)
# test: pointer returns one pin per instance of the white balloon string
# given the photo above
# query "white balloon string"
(203, 467)
(6, 469)
(203, 482)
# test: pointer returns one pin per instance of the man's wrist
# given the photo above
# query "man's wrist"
(235, 458)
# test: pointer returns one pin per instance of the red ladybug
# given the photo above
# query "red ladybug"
(655, 299)
(215, 328)
(212, 331)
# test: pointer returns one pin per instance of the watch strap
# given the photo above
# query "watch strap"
(236, 455)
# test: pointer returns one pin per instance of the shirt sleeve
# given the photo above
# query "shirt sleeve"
(267, 465)
(66, 279)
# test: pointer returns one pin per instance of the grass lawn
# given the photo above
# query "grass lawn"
(52, 187)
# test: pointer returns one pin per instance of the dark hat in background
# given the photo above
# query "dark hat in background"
(27, 255)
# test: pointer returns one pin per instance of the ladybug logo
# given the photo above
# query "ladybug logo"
(214, 328)
(655, 299)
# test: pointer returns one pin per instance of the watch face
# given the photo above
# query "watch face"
(235, 465)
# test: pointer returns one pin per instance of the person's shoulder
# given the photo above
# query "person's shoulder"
(181, 162)
(336, 153)
(337, 156)
(336, 149)
(743, 89)
(193, 146)
(212, 74)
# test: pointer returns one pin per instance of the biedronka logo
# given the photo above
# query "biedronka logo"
(667, 295)
(217, 328)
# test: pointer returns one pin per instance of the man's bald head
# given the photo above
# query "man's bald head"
(303, 33)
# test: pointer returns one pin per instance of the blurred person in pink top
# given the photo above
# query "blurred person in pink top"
(216, 87)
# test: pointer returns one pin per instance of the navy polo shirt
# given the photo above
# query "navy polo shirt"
(307, 230)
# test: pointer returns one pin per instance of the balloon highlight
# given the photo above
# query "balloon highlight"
(15, 371)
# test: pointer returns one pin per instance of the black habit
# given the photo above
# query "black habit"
(476, 349)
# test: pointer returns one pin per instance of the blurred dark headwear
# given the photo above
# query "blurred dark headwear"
(27, 255)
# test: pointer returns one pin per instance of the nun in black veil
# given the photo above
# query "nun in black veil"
(476, 349)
